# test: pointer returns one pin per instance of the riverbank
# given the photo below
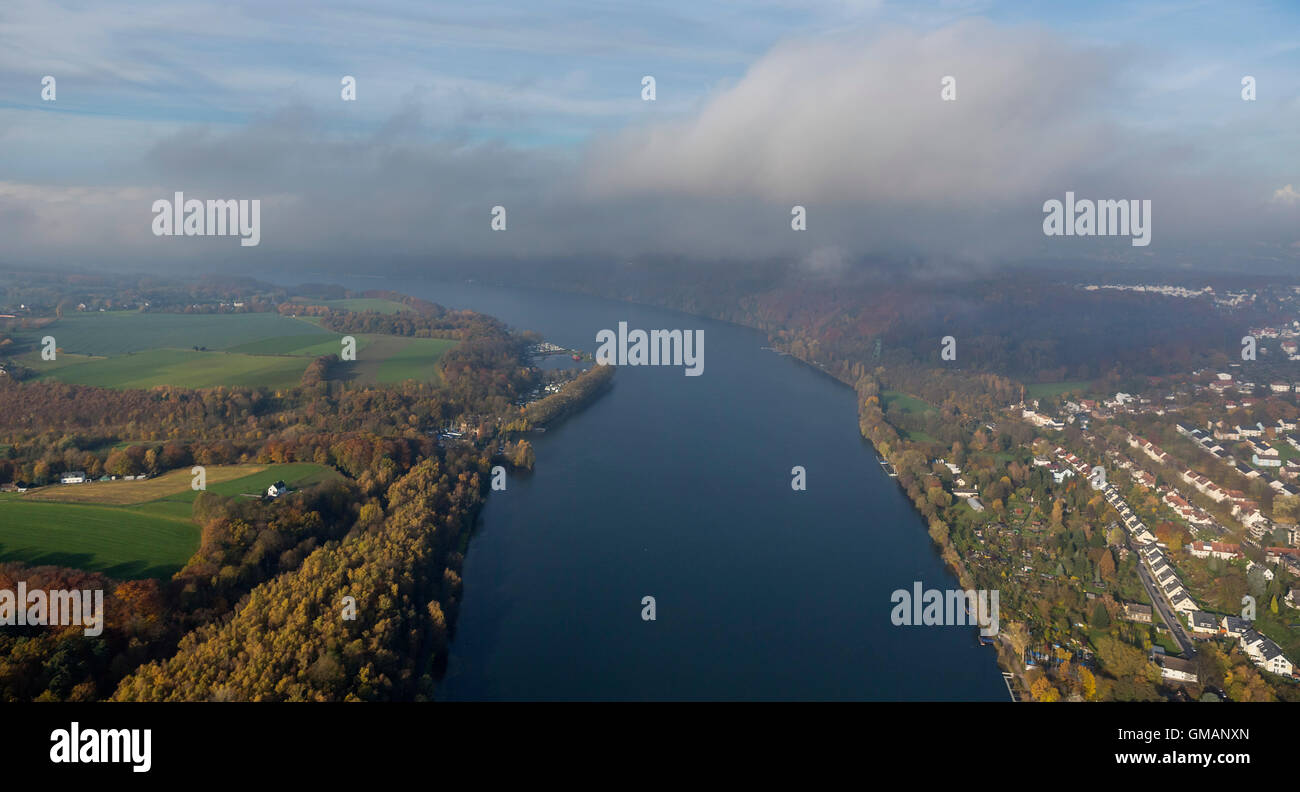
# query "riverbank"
(679, 488)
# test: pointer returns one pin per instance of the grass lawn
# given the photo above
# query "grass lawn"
(1166, 639)
(904, 402)
(1284, 450)
(107, 527)
(1284, 628)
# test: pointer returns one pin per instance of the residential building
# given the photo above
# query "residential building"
(1176, 669)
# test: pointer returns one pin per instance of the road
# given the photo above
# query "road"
(1167, 614)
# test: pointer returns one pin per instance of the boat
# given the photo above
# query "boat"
(888, 468)
(577, 357)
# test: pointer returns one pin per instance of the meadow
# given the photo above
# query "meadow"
(1048, 390)
(121, 542)
(126, 493)
(128, 349)
(390, 359)
(183, 368)
(113, 333)
(903, 401)
(128, 529)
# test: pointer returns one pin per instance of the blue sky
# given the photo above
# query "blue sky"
(553, 87)
(544, 74)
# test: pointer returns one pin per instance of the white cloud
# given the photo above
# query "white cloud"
(1286, 195)
(858, 118)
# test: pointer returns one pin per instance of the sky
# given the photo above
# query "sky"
(832, 105)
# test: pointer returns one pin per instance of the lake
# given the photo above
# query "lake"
(679, 488)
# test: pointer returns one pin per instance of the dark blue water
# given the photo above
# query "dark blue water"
(678, 488)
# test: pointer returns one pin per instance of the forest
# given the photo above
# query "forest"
(347, 589)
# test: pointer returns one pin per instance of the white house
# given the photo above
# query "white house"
(1181, 602)
(1177, 670)
(1220, 550)
(73, 477)
(277, 489)
(1274, 660)
(1266, 654)
(1234, 626)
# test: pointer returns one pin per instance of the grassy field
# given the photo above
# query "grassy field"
(1047, 390)
(125, 493)
(121, 542)
(313, 345)
(127, 349)
(383, 359)
(296, 474)
(109, 527)
(903, 401)
(183, 368)
(115, 333)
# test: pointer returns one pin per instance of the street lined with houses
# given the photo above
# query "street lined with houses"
(1177, 609)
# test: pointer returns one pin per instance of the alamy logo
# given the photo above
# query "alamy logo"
(1099, 218)
(656, 348)
(59, 608)
(953, 608)
(242, 218)
(92, 746)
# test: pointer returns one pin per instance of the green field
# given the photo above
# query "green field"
(184, 368)
(133, 493)
(123, 542)
(127, 349)
(385, 359)
(152, 539)
(296, 474)
(115, 333)
(904, 402)
(313, 345)
(1047, 390)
